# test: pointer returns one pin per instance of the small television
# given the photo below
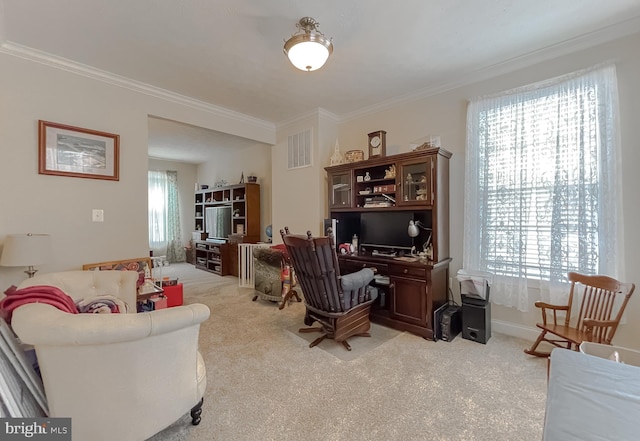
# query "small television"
(217, 221)
(385, 229)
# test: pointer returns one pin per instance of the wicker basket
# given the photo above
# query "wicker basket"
(354, 156)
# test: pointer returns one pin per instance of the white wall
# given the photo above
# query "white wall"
(230, 164)
(61, 206)
(300, 195)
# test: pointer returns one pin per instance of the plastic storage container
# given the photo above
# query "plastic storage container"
(474, 285)
(613, 353)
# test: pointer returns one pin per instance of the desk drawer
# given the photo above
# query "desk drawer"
(408, 271)
(352, 265)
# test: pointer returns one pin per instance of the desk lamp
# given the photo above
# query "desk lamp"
(413, 230)
(26, 250)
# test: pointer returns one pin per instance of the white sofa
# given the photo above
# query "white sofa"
(118, 376)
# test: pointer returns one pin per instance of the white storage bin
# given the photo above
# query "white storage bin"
(624, 355)
(474, 284)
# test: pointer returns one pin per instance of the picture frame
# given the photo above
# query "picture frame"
(65, 150)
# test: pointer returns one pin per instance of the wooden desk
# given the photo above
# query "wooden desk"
(415, 290)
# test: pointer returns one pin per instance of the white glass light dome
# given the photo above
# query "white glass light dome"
(310, 50)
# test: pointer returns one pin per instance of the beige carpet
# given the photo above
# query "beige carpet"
(359, 345)
(265, 383)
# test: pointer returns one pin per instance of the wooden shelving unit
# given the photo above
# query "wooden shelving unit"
(243, 201)
(213, 257)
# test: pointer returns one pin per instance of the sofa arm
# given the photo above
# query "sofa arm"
(41, 324)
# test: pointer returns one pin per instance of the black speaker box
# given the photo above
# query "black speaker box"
(476, 321)
(447, 322)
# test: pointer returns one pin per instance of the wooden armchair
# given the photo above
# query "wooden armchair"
(602, 297)
(341, 304)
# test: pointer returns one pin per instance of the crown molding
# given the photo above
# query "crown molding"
(565, 47)
(324, 113)
(84, 70)
(318, 112)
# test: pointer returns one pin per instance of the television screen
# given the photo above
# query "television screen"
(218, 221)
(388, 229)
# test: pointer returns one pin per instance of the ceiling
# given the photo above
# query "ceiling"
(175, 141)
(229, 52)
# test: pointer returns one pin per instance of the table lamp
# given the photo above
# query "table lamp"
(413, 230)
(26, 250)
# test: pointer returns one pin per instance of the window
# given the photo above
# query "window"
(164, 216)
(542, 183)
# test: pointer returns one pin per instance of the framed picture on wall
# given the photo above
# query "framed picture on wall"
(73, 151)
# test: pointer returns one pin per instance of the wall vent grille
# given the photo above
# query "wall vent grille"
(299, 150)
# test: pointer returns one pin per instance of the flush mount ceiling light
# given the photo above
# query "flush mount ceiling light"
(308, 49)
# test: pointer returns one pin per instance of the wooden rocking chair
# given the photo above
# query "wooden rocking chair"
(341, 304)
(595, 320)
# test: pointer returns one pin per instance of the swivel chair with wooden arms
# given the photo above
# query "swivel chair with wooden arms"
(341, 304)
(597, 319)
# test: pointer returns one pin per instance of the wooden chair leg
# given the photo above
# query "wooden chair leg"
(318, 340)
(532, 350)
(346, 345)
(196, 412)
(287, 298)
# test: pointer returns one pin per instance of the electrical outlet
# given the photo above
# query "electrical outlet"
(450, 282)
(97, 215)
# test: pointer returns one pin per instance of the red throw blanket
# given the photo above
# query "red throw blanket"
(35, 294)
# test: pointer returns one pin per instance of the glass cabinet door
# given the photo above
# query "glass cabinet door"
(340, 190)
(416, 178)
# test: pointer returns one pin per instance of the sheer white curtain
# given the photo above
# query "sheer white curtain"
(164, 216)
(542, 189)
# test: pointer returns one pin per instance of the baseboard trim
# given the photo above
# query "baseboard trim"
(515, 330)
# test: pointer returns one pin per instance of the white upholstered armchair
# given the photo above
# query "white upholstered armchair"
(118, 376)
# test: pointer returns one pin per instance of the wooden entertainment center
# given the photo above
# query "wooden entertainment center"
(242, 201)
(375, 199)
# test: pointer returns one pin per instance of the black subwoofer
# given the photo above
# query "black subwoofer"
(476, 320)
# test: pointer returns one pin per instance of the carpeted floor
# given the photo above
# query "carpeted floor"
(265, 383)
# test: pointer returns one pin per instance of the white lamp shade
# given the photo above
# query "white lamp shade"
(26, 250)
(308, 55)
(412, 229)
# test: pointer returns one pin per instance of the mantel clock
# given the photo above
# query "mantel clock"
(377, 144)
